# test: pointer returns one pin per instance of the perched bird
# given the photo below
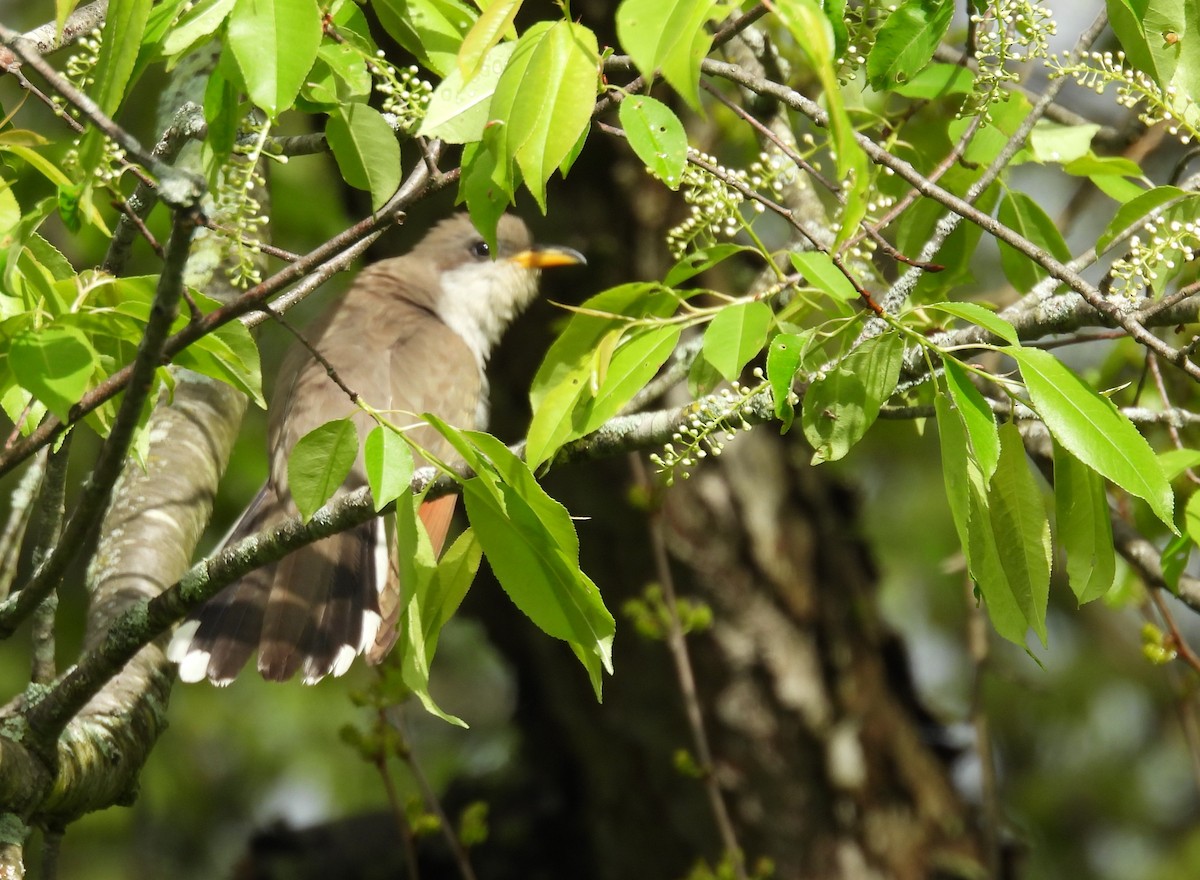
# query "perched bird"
(411, 335)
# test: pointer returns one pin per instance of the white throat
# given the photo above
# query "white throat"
(480, 300)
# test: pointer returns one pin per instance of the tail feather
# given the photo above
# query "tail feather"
(312, 612)
(218, 638)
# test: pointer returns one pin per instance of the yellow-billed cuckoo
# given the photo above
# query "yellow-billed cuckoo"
(411, 335)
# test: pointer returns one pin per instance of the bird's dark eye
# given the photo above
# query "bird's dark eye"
(480, 249)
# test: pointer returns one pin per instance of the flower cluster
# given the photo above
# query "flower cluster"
(82, 63)
(1134, 87)
(405, 94)
(717, 203)
(715, 420)
(1171, 243)
(1010, 31)
(239, 207)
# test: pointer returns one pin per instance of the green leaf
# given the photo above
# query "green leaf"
(55, 364)
(783, 360)
(120, 39)
(1026, 217)
(1052, 142)
(319, 464)
(1140, 25)
(695, 262)
(422, 606)
(567, 397)
(736, 334)
(821, 272)
(432, 30)
(668, 35)
(531, 544)
(1091, 165)
(229, 355)
(544, 100)
(839, 407)
(976, 314)
(906, 41)
(366, 150)
(966, 490)
(1191, 518)
(200, 21)
(485, 188)
(458, 113)
(275, 43)
(1083, 525)
(1136, 209)
(657, 136)
(937, 81)
(1175, 461)
(488, 30)
(389, 465)
(434, 601)
(976, 417)
(1091, 428)
(339, 76)
(811, 29)
(1021, 530)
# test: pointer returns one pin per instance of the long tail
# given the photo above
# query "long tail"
(315, 609)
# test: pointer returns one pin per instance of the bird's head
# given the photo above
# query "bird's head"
(483, 288)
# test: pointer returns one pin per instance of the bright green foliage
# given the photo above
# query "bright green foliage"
(819, 270)
(968, 491)
(389, 465)
(841, 405)
(668, 36)
(275, 43)
(1021, 533)
(319, 464)
(119, 41)
(531, 544)
(495, 21)
(458, 110)
(906, 41)
(1084, 527)
(55, 363)
(657, 136)
(737, 334)
(1022, 214)
(1087, 425)
(977, 314)
(366, 150)
(811, 29)
(607, 353)
(557, 62)
(433, 590)
(982, 438)
(432, 30)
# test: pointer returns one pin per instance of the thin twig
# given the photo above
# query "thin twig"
(461, 859)
(677, 644)
(407, 838)
(978, 630)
